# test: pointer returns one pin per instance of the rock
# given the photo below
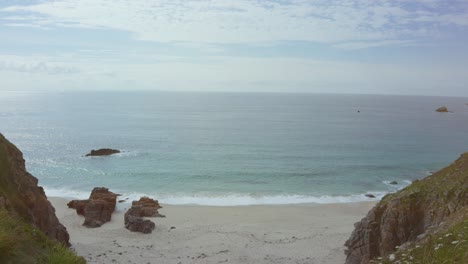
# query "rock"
(24, 197)
(4, 203)
(393, 182)
(442, 109)
(98, 209)
(403, 216)
(370, 195)
(145, 207)
(102, 152)
(137, 224)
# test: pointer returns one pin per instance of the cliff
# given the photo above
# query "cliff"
(413, 218)
(20, 194)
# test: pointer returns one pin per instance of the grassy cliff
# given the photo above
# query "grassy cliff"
(416, 223)
(29, 229)
(20, 242)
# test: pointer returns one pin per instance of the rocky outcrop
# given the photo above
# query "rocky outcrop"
(102, 152)
(442, 109)
(21, 195)
(407, 214)
(145, 207)
(98, 209)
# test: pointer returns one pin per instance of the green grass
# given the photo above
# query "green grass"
(447, 247)
(22, 243)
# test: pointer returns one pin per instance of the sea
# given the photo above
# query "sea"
(226, 149)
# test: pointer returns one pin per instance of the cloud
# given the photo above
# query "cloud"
(250, 21)
(26, 65)
(376, 43)
(220, 73)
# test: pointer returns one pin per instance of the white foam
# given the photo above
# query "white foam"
(126, 153)
(240, 199)
(395, 187)
(66, 193)
(233, 199)
(223, 200)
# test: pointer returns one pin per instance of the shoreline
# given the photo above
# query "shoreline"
(291, 233)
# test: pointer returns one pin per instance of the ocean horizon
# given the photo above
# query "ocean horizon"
(211, 148)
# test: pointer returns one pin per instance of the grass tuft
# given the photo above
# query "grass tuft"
(22, 243)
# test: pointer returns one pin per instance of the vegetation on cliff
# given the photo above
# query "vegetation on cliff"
(415, 219)
(20, 242)
(29, 229)
(447, 244)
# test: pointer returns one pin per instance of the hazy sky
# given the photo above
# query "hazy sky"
(346, 46)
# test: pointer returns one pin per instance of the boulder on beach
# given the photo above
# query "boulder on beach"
(442, 109)
(145, 207)
(102, 152)
(98, 209)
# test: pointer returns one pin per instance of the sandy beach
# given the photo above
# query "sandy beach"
(310, 233)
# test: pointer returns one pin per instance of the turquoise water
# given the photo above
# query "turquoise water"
(233, 148)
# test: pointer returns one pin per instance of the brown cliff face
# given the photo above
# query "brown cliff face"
(403, 216)
(20, 193)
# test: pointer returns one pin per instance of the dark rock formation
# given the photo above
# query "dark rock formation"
(369, 195)
(21, 195)
(442, 109)
(393, 182)
(405, 215)
(145, 207)
(102, 152)
(98, 209)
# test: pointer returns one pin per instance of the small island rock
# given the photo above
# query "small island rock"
(102, 152)
(393, 182)
(442, 109)
(370, 195)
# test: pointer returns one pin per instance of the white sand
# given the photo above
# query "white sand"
(206, 234)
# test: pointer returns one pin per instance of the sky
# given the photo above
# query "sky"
(415, 47)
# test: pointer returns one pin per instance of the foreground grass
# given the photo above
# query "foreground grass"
(22, 243)
(448, 247)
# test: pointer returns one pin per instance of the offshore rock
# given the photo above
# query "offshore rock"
(442, 109)
(145, 207)
(409, 213)
(102, 152)
(98, 209)
(21, 194)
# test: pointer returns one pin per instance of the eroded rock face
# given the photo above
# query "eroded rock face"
(145, 207)
(98, 209)
(21, 194)
(410, 212)
(103, 152)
